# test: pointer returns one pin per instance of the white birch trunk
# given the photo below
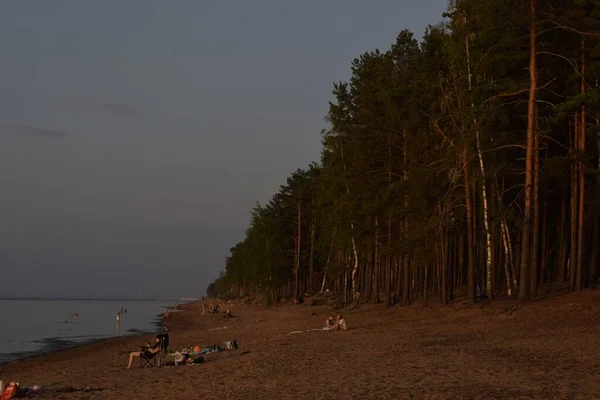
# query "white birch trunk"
(326, 266)
(354, 286)
(488, 236)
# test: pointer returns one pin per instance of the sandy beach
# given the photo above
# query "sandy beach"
(546, 350)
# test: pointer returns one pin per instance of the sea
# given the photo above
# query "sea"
(33, 327)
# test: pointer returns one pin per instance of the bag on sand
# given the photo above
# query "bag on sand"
(231, 345)
(11, 391)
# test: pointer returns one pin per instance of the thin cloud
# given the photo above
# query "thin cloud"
(119, 109)
(37, 131)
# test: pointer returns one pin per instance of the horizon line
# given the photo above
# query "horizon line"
(93, 298)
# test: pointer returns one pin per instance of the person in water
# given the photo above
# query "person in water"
(147, 351)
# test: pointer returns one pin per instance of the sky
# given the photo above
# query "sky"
(136, 135)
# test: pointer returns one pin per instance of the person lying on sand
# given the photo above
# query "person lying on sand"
(340, 323)
(147, 351)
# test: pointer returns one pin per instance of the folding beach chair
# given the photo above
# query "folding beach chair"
(154, 359)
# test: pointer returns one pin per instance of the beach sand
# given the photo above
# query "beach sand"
(546, 350)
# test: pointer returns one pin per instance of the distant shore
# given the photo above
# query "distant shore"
(500, 351)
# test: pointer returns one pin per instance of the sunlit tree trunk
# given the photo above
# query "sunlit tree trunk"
(533, 271)
(526, 241)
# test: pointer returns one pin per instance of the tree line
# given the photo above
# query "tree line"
(466, 164)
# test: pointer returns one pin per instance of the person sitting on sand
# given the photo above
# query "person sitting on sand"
(329, 322)
(148, 350)
(227, 313)
(340, 323)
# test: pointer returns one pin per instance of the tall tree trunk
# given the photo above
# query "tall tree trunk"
(406, 293)
(311, 261)
(424, 284)
(563, 241)
(506, 259)
(461, 261)
(377, 263)
(511, 254)
(484, 199)
(346, 279)
(544, 252)
(533, 272)
(582, 126)
(298, 247)
(444, 266)
(355, 269)
(574, 194)
(505, 239)
(398, 284)
(593, 270)
(388, 293)
(326, 266)
(389, 224)
(470, 239)
(525, 246)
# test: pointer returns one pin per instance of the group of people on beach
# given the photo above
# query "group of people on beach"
(336, 324)
(213, 308)
(332, 323)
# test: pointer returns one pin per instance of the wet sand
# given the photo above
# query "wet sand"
(546, 350)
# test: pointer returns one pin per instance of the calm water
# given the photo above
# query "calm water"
(31, 327)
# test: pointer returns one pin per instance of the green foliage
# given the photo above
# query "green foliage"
(401, 136)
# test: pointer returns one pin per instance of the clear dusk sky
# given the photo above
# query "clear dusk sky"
(136, 135)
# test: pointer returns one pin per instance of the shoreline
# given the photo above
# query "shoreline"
(434, 352)
(56, 345)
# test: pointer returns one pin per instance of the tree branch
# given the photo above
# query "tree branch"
(505, 146)
(517, 92)
(568, 28)
(437, 127)
(567, 60)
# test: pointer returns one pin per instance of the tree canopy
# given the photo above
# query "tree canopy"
(464, 164)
